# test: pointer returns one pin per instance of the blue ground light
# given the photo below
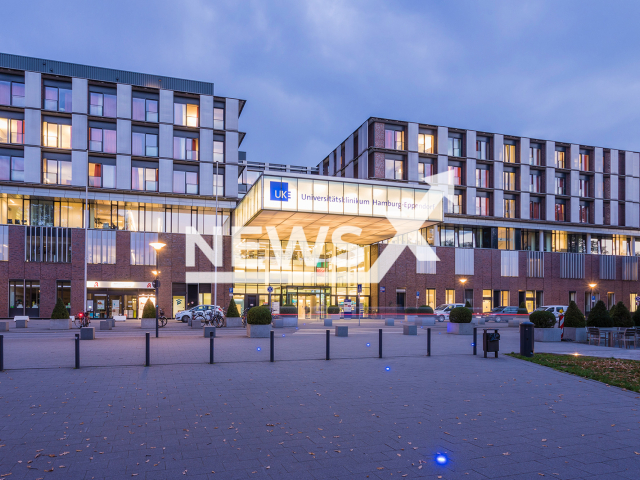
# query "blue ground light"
(387, 368)
(441, 459)
(473, 344)
(368, 344)
(283, 334)
(259, 349)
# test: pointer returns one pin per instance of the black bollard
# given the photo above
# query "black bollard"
(77, 351)
(328, 333)
(1, 353)
(211, 348)
(147, 345)
(428, 342)
(475, 340)
(271, 342)
(379, 343)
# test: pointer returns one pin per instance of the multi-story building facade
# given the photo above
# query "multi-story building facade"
(529, 220)
(96, 164)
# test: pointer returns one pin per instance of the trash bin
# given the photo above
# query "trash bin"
(490, 341)
(526, 339)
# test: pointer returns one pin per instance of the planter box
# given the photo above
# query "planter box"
(87, 333)
(428, 320)
(4, 326)
(477, 320)
(290, 321)
(60, 324)
(112, 322)
(119, 318)
(515, 320)
(546, 334)
(105, 325)
(578, 335)
(389, 322)
(410, 330)
(334, 316)
(342, 331)
(460, 328)
(21, 322)
(148, 323)
(209, 329)
(233, 322)
(410, 318)
(195, 324)
(328, 322)
(258, 331)
(278, 323)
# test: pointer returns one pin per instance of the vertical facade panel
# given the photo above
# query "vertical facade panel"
(166, 106)
(32, 90)
(206, 179)
(79, 95)
(206, 111)
(79, 168)
(206, 145)
(79, 132)
(123, 137)
(32, 165)
(231, 114)
(32, 127)
(165, 175)
(443, 140)
(165, 140)
(412, 140)
(123, 101)
(123, 172)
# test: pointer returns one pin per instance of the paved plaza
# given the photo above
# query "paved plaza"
(355, 416)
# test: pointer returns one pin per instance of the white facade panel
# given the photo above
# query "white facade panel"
(32, 165)
(412, 134)
(79, 168)
(574, 210)
(206, 146)
(471, 144)
(631, 213)
(206, 179)
(206, 111)
(613, 212)
(614, 162)
(599, 211)
(524, 151)
(497, 175)
(231, 148)
(498, 148)
(550, 175)
(613, 185)
(231, 180)
(598, 159)
(165, 175)
(524, 177)
(498, 203)
(599, 185)
(123, 137)
(166, 106)
(124, 101)
(464, 261)
(443, 140)
(550, 207)
(123, 172)
(32, 127)
(574, 153)
(231, 114)
(32, 90)
(79, 132)
(79, 95)
(412, 167)
(574, 183)
(348, 149)
(524, 205)
(165, 140)
(550, 153)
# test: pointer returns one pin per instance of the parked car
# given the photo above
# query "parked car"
(442, 311)
(185, 315)
(557, 310)
(499, 314)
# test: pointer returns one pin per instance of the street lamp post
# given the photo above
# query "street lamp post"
(463, 281)
(592, 285)
(157, 246)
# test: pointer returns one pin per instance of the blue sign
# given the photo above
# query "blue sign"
(417, 294)
(269, 289)
(230, 289)
(593, 298)
(359, 288)
(279, 191)
(382, 289)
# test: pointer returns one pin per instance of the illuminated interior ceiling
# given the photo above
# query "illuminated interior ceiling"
(374, 229)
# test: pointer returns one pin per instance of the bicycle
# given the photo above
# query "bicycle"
(244, 316)
(81, 320)
(210, 318)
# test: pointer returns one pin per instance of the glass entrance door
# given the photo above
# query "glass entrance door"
(310, 302)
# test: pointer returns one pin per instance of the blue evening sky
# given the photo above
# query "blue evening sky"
(313, 71)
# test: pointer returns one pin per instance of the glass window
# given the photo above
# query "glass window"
(218, 184)
(454, 175)
(425, 143)
(102, 104)
(144, 179)
(560, 212)
(185, 182)
(102, 176)
(48, 244)
(144, 144)
(141, 252)
(57, 99)
(218, 118)
(561, 186)
(185, 114)
(535, 155)
(394, 139)
(482, 178)
(454, 203)
(509, 208)
(425, 170)
(534, 183)
(102, 140)
(56, 172)
(584, 162)
(534, 210)
(11, 130)
(145, 110)
(218, 152)
(393, 169)
(509, 180)
(5, 92)
(482, 206)
(583, 212)
(450, 296)
(56, 136)
(455, 147)
(559, 159)
(481, 149)
(101, 247)
(185, 148)
(583, 187)
(506, 238)
(509, 153)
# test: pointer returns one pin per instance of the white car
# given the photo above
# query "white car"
(186, 315)
(557, 310)
(442, 311)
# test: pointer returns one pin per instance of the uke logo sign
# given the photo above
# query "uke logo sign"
(280, 191)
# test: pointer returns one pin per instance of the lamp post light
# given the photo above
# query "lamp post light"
(157, 246)
(591, 299)
(463, 281)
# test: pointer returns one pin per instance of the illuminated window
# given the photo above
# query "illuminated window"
(425, 143)
(393, 169)
(506, 238)
(450, 296)
(185, 114)
(560, 158)
(509, 180)
(509, 208)
(509, 153)
(584, 160)
(394, 139)
(102, 175)
(11, 130)
(56, 135)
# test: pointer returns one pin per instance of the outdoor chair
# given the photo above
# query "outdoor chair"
(593, 334)
(629, 338)
(620, 336)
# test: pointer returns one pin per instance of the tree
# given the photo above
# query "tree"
(60, 311)
(621, 316)
(149, 310)
(232, 311)
(467, 304)
(599, 316)
(636, 317)
(574, 318)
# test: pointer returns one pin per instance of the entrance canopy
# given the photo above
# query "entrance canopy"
(380, 209)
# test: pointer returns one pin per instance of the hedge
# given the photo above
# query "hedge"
(425, 310)
(460, 315)
(288, 309)
(61, 312)
(542, 319)
(259, 316)
(149, 310)
(410, 311)
(333, 310)
(573, 317)
(636, 317)
(621, 316)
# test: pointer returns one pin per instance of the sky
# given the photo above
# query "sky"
(313, 71)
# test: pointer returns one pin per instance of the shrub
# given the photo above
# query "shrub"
(288, 309)
(542, 319)
(232, 311)
(523, 305)
(621, 316)
(599, 316)
(60, 311)
(522, 311)
(636, 317)
(425, 310)
(460, 315)
(410, 310)
(573, 317)
(149, 310)
(333, 310)
(259, 316)
(467, 304)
